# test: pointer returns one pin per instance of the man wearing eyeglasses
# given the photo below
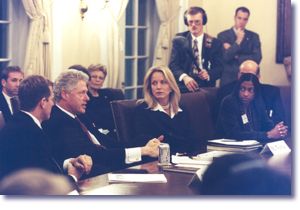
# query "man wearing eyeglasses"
(196, 56)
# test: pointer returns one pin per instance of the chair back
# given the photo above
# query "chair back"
(117, 94)
(123, 113)
(199, 107)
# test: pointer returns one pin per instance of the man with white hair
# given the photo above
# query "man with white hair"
(23, 143)
(72, 137)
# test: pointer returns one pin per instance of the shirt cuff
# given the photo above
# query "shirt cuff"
(133, 155)
(74, 177)
(65, 167)
(181, 77)
(66, 163)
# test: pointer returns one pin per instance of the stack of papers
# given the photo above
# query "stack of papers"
(186, 164)
(232, 145)
(153, 178)
(186, 160)
(209, 156)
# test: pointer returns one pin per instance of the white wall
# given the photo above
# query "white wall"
(77, 41)
(263, 20)
(82, 42)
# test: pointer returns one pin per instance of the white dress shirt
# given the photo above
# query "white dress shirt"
(200, 42)
(131, 154)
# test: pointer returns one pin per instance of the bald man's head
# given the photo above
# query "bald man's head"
(249, 66)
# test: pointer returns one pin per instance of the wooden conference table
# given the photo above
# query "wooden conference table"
(177, 183)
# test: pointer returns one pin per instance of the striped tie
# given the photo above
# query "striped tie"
(196, 55)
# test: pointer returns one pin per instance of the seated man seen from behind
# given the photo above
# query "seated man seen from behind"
(23, 143)
(243, 174)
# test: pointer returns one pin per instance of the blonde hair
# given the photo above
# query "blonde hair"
(97, 67)
(175, 92)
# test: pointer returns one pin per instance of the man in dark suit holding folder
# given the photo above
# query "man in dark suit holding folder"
(196, 56)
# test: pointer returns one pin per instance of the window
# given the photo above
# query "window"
(4, 33)
(141, 26)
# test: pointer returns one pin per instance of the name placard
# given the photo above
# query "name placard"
(276, 148)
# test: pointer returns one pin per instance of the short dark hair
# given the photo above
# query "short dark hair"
(9, 69)
(194, 11)
(32, 89)
(243, 9)
(81, 68)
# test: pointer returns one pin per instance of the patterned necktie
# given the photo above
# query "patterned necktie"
(87, 133)
(14, 104)
(196, 55)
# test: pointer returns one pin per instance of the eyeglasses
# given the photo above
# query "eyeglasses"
(196, 22)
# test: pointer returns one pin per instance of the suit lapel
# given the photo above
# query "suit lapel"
(189, 38)
(4, 108)
(43, 142)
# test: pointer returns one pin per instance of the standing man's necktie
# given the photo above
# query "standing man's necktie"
(196, 55)
(14, 104)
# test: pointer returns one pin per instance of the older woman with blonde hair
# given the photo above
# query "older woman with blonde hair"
(98, 107)
(159, 115)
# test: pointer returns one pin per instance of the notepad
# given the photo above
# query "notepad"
(151, 178)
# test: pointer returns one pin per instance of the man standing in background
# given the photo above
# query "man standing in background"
(239, 44)
(196, 56)
(11, 78)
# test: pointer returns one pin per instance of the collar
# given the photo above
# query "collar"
(235, 30)
(65, 111)
(33, 118)
(7, 98)
(158, 107)
(199, 38)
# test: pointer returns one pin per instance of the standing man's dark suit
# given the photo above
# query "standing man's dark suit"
(69, 140)
(4, 108)
(23, 144)
(182, 59)
(248, 49)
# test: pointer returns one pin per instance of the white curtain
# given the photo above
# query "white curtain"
(37, 58)
(168, 11)
(115, 44)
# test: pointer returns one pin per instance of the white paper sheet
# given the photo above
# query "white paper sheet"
(153, 178)
(188, 160)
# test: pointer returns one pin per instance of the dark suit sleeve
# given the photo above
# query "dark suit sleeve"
(273, 102)
(255, 52)
(232, 51)
(142, 127)
(216, 61)
(178, 59)
(68, 140)
(249, 49)
(230, 123)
